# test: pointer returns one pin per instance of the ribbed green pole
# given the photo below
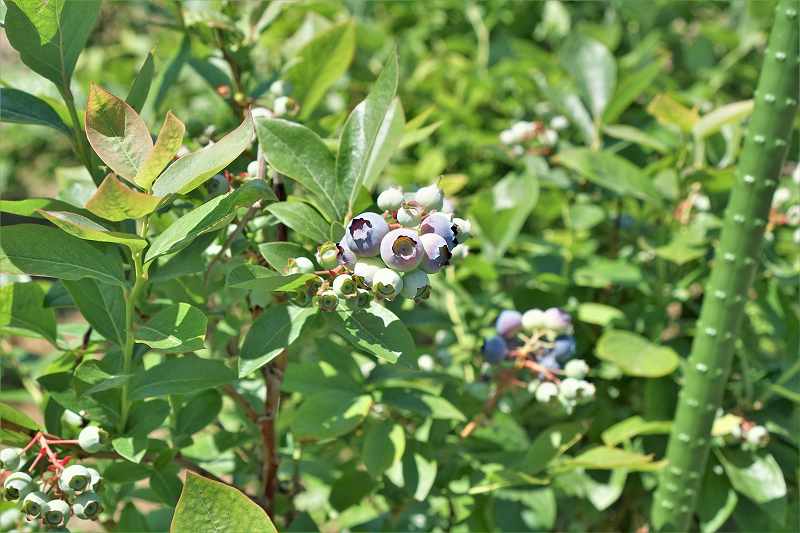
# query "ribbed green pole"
(706, 371)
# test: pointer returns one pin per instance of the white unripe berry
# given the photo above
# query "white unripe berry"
(546, 391)
(533, 319)
(302, 265)
(252, 168)
(90, 439)
(366, 268)
(390, 199)
(430, 197)
(414, 284)
(757, 436)
(577, 368)
(387, 283)
(343, 285)
(408, 216)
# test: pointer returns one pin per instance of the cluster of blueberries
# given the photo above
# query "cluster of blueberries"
(60, 492)
(749, 435)
(522, 133)
(388, 255)
(542, 341)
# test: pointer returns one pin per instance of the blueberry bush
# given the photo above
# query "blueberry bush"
(399, 266)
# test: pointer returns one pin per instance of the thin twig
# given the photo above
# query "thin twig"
(236, 396)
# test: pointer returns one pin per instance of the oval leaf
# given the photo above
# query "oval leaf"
(176, 328)
(635, 355)
(375, 330)
(23, 108)
(167, 145)
(89, 230)
(113, 200)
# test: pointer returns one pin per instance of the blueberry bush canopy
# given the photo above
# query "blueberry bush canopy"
(399, 266)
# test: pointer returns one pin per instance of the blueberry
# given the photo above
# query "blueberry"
(364, 270)
(533, 319)
(494, 349)
(415, 285)
(90, 439)
(408, 216)
(11, 458)
(34, 503)
(345, 255)
(364, 234)
(441, 225)
(563, 348)
(436, 254)
(344, 286)
(87, 506)
(430, 197)
(508, 323)
(401, 250)
(74, 478)
(17, 485)
(546, 391)
(327, 255)
(557, 320)
(387, 284)
(57, 513)
(390, 199)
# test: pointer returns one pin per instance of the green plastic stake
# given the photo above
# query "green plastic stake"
(707, 369)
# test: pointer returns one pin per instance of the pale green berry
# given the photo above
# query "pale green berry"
(363, 298)
(71, 418)
(328, 255)
(9, 519)
(570, 388)
(90, 439)
(577, 368)
(415, 284)
(301, 265)
(57, 513)
(17, 485)
(533, 319)
(546, 392)
(11, 458)
(430, 197)
(87, 506)
(387, 283)
(344, 286)
(96, 482)
(757, 436)
(587, 390)
(408, 216)
(327, 300)
(463, 228)
(252, 168)
(74, 478)
(366, 268)
(34, 503)
(391, 199)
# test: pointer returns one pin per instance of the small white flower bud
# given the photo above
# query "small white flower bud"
(757, 436)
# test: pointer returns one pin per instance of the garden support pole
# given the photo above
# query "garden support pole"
(708, 366)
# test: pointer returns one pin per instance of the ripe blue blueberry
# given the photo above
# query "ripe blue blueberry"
(494, 349)
(401, 250)
(364, 234)
(563, 348)
(441, 225)
(508, 323)
(436, 253)
(345, 255)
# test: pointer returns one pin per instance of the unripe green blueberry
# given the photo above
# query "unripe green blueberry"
(570, 388)
(301, 298)
(363, 298)
(87, 506)
(17, 485)
(71, 418)
(391, 199)
(90, 439)
(408, 216)
(252, 168)
(546, 392)
(327, 300)
(757, 436)
(57, 513)
(577, 368)
(463, 228)
(34, 504)
(344, 286)
(533, 319)
(415, 284)
(280, 88)
(301, 265)
(387, 283)
(284, 105)
(587, 390)
(96, 482)
(328, 255)
(74, 478)
(365, 269)
(11, 458)
(313, 285)
(430, 197)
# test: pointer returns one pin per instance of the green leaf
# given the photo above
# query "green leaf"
(166, 484)
(115, 201)
(501, 212)
(601, 272)
(632, 427)
(49, 36)
(302, 218)
(635, 355)
(198, 412)
(211, 216)
(330, 414)
(426, 405)
(631, 86)
(45, 251)
(89, 230)
(102, 305)
(180, 375)
(299, 153)
(635, 135)
(351, 488)
(369, 135)
(117, 133)
(277, 254)
(271, 333)
(593, 68)
(256, 277)
(131, 448)
(712, 122)
(214, 507)
(319, 64)
(610, 171)
(177, 328)
(24, 108)
(140, 88)
(173, 71)
(191, 171)
(550, 444)
(672, 113)
(375, 330)
(16, 428)
(607, 458)
(600, 314)
(169, 141)
(130, 519)
(719, 500)
(756, 475)
(30, 207)
(384, 445)
(22, 312)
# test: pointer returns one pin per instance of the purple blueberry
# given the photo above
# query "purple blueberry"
(494, 349)
(508, 323)
(345, 255)
(441, 225)
(563, 348)
(401, 250)
(436, 254)
(557, 320)
(365, 233)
